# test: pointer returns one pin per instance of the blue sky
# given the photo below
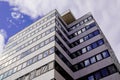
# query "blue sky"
(12, 21)
(15, 15)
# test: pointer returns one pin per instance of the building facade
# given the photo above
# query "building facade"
(59, 47)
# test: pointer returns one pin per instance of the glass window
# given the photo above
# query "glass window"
(84, 50)
(10, 72)
(30, 42)
(14, 59)
(44, 69)
(92, 24)
(10, 61)
(83, 29)
(78, 53)
(90, 35)
(81, 40)
(89, 18)
(98, 57)
(44, 26)
(1, 77)
(92, 60)
(40, 29)
(112, 69)
(73, 27)
(105, 54)
(51, 65)
(19, 67)
(45, 54)
(52, 29)
(32, 75)
(52, 38)
(43, 34)
(34, 59)
(87, 62)
(5, 74)
(32, 49)
(39, 56)
(18, 57)
(38, 37)
(51, 50)
(104, 72)
(47, 41)
(24, 64)
(38, 72)
(87, 27)
(100, 42)
(79, 32)
(94, 45)
(91, 77)
(81, 65)
(75, 34)
(97, 75)
(81, 22)
(15, 69)
(48, 24)
(76, 67)
(89, 47)
(86, 38)
(27, 77)
(29, 62)
(6, 63)
(96, 32)
(37, 47)
(85, 20)
(48, 31)
(42, 44)
(36, 31)
(77, 25)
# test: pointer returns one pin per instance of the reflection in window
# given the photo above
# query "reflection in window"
(97, 75)
(105, 54)
(83, 29)
(84, 50)
(45, 54)
(94, 45)
(92, 60)
(26, 77)
(100, 42)
(86, 38)
(79, 32)
(29, 62)
(51, 65)
(24, 64)
(39, 56)
(91, 77)
(44, 69)
(35, 59)
(89, 47)
(51, 50)
(38, 72)
(81, 40)
(104, 72)
(32, 74)
(47, 41)
(19, 67)
(99, 57)
(86, 62)
(112, 69)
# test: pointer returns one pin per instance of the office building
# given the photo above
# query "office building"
(59, 47)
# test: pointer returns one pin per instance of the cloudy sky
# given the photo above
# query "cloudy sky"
(15, 15)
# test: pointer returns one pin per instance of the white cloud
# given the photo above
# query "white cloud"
(106, 13)
(16, 15)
